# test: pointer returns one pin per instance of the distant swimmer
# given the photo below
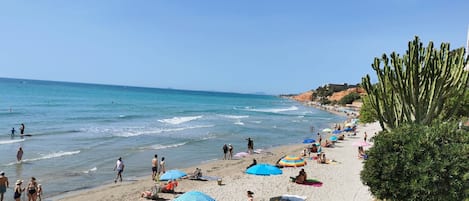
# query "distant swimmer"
(22, 129)
(19, 154)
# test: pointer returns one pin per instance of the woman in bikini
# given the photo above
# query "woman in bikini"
(32, 189)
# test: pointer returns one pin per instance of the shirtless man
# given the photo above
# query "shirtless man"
(19, 154)
(3, 184)
(154, 166)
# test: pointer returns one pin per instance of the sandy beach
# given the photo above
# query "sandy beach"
(341, 180)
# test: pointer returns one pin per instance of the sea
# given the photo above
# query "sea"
(78, 131)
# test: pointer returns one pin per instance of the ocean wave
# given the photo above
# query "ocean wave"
(160, 146)
(235, 116)
(274, 110)
(10, 141)
(179, 120)
(49, 156)
(149, 132)
(239, 122)
(90, 170)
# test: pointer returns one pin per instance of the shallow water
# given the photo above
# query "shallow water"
(79, 130)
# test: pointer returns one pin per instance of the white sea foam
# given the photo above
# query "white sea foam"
(49, 156)
(160, 146)
(157, 131)
(90, 170)
(274, 110)
(256, 122)
(179, 120)
(239, 122)
(10, 141)
(235, 116)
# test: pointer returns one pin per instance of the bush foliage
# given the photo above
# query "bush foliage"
(416, 162)
(349, 98)
(367, 112)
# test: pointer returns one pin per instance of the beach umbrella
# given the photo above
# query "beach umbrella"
(264, 170)
(349, 124)
(241, 154)
(194, 196)
(292, 161)
(308, 141)
(361, 144)
(336, 131)
(333, 138)
(326, 130)
(172, 174)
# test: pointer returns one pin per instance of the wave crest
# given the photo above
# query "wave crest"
(179, 120)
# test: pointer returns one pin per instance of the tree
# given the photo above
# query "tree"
(415, 87)
(367, 112)
(349, 98)
(417, 162)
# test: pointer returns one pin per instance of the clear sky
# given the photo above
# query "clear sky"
(243, 46)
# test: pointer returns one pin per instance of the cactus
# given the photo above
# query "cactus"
(414, 88)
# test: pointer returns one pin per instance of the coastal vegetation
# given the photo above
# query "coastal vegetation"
(422, 152)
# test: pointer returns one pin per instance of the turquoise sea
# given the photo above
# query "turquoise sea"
(79, 130)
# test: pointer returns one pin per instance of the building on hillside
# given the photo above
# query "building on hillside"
(339, 87)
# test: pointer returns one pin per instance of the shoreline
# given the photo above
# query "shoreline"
(236, 182)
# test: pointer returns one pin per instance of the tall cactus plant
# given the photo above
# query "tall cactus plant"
(415, 87)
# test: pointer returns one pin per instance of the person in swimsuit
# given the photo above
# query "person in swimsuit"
(154, 167)
(18, 190)
(32, 189)
(39, 192)
(13, 131)
(230, 149)
(22, 129)
(162, 164)
(3, 184)
(120, 168)
(19, 154)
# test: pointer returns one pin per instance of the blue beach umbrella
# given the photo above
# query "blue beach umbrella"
(308, 141)
(336, 131)
(172, 174)
(264, 170)
(194, 196)
(333, 138)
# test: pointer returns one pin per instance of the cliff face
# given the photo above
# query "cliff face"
(303, 97)
(339, 95)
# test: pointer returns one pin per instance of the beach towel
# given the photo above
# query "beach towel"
(312, 182)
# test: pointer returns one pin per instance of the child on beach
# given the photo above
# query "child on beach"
(39, 192)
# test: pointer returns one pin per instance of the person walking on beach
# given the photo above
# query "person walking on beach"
(230, 149)
(366, 135)
(3, 184)
(225, 151)
(22, 129)
(154, 167)
(19, 154)
(162, 166)
(120, 168)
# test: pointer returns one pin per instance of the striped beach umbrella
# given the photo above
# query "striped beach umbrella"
(292, 161)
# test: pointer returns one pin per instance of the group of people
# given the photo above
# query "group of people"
(33, 189)
(227, 149)
(13, 131)
(157, 165)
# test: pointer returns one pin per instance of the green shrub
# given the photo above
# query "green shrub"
(349, 98)
(416, 162)
(367, 112)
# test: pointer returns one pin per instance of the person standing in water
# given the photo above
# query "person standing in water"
(230, 150)
(13, 131)
(225, 151)
(19, 154)
(162, 164)
(120, 168)
(22, 129)
(154, 166)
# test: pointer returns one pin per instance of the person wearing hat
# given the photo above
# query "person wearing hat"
(230, 149)
(3, 184)
(250, 196)
(18, 190)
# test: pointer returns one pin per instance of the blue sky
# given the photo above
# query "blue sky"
(237, 46)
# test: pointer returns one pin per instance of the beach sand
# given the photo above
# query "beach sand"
(341, 180)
